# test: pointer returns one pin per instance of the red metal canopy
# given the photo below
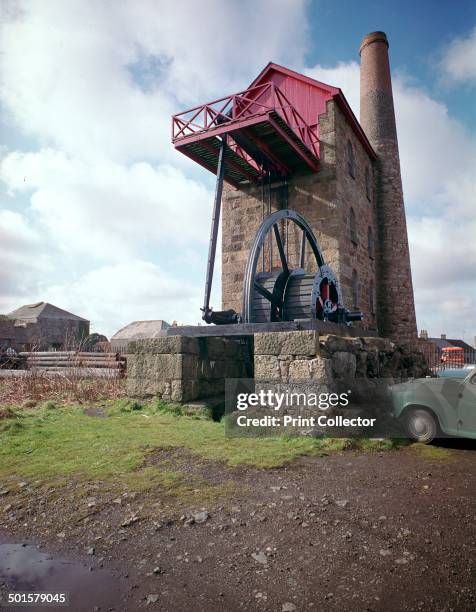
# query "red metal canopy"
(271, 126)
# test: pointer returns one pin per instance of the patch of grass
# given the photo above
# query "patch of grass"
(54, 441)
(10, 420)
(429, 451)
(124, 406)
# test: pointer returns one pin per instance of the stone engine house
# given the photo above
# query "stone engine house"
(347, 185)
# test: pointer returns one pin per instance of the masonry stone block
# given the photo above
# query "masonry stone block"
(166, 345)
(180, 368)
(289, 343)
(318, 369)
(344, 365)
(331, 344)
(377, 343)
(321, 369)
(267, 367)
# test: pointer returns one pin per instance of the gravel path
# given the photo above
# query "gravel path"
(348, 531)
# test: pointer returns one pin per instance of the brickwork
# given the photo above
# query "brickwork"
(396, 309)
(325, 200)
(356, 193)
(357, 214)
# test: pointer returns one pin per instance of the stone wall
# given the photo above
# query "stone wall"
(182, 369)
(354, 198)
(325, 200)
(303, 356)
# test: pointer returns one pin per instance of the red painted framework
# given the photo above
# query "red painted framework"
(275, 90)
(241, 110)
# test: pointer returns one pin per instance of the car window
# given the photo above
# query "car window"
(473, 380)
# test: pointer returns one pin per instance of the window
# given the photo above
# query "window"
(368, 185)
(350, 159)
(353, 226)
(372, 298)
(355, 289)
(370, 242)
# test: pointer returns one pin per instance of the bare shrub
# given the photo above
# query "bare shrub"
(72, 386)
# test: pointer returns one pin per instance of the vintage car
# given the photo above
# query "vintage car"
(429, 408)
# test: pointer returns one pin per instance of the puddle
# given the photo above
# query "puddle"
(25, 568)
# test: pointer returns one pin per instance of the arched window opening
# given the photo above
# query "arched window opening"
(370, 242)
(368, 185)
(350, 159)
(353, 226)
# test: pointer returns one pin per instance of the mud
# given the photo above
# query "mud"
(389, 531)
(27, 568)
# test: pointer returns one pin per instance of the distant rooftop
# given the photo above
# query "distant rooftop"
(448, 342)
(141, 330)
(42, 310)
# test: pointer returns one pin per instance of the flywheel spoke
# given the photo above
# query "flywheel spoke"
(282, 254)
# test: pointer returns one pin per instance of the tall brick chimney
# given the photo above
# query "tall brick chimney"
(396, 308)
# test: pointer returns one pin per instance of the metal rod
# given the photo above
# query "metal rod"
(286, 239)
(214, 228)
(270, 236)
(262, 219)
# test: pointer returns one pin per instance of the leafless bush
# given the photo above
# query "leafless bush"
(72, 386)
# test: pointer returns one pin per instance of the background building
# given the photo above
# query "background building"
(42, 326)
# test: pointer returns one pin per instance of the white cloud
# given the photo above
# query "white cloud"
(113, 295)
(459, 59)
(22, 266)
(345, 75)
(93, 86)
(108, 210)
(117, 221)
(103, 79)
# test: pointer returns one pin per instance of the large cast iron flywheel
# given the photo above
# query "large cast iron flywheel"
(273, 289)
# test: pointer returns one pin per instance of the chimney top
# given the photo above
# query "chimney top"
(373, 37)
(443, 336)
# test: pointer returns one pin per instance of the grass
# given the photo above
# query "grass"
(54, 442)
(427, 451)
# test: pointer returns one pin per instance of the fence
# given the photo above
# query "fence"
(438, 360)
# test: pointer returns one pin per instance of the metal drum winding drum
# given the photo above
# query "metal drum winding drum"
(282, 292)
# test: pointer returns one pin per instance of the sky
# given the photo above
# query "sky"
(101, 216)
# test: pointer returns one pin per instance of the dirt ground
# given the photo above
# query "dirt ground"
(349, 531)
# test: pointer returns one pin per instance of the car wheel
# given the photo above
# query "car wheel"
(421, 425)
